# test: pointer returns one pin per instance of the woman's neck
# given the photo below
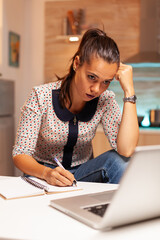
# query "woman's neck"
(75, 107)
(77, 104)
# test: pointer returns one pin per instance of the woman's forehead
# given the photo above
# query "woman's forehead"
(101, 68)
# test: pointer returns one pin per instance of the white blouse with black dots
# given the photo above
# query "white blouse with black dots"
(43, 135)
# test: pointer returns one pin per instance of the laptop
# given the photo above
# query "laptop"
(136, 199)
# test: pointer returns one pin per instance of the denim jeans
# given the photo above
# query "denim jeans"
(106, 168)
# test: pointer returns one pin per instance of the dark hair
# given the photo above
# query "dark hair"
(94, 42)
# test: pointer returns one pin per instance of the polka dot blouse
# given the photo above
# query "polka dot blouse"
(46, 130)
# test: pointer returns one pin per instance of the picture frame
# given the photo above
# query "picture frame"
(14, 49)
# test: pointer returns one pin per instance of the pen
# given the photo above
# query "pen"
(60, 165)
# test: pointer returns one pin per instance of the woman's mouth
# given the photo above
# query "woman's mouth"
(90, 96)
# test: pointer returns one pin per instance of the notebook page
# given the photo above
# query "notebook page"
(16, 187)
(56, 189)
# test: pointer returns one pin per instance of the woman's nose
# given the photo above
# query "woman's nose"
(95, 87)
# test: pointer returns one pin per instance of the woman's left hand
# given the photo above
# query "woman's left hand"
(125, 76)
(129, 130)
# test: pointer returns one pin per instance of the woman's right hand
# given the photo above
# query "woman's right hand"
(58, 176)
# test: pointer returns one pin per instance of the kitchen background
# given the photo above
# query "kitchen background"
(45, 50)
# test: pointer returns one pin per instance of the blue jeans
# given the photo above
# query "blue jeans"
(106, 168)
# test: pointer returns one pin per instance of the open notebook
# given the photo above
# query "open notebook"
(19, 187)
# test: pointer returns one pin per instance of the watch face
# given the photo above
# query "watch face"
(134, 98)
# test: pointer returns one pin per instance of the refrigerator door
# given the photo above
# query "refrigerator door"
(6, 97)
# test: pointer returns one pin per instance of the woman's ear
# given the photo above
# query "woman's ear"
(76, 63)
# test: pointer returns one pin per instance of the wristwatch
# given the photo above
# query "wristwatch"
(131, 99)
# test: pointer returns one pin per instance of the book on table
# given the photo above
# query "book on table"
(19, 187)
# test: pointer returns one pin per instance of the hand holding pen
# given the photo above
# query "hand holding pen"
(59, 176)
(60, 165)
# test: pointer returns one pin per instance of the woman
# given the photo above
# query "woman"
(60, 119)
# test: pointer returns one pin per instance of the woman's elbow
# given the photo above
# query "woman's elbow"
(126, 152)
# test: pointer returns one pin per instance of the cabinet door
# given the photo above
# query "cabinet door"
(100, 144)
(149, 138)
(6, 145)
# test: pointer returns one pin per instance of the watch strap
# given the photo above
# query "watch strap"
(131, 99)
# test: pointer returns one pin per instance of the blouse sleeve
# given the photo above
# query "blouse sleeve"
(111, 119)
(29, 125)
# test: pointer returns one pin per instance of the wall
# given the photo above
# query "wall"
(149, 25)
(23, 17)
(121, 21)
(13, 19)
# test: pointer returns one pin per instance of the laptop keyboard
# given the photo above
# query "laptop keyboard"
(98, 209)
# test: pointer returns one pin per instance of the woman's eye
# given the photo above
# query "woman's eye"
(106, 82)
(91, 77)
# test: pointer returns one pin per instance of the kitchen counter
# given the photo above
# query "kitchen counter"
(155, 130)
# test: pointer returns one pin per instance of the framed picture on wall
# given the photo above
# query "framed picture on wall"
(14, 49)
